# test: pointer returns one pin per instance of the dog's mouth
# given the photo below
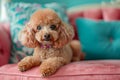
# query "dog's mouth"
(47, 39)
(46, 44)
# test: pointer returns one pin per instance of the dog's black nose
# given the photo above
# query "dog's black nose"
(47, 37)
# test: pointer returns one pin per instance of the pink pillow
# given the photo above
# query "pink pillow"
(6, 27)
(111, 14)
(95, 14)
(4, 46)
(72, 18)
(83, 70)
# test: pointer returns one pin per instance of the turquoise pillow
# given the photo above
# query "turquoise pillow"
(99, 39)
(19, 14)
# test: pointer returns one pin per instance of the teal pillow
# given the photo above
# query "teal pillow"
(99, 39)
(19, 14)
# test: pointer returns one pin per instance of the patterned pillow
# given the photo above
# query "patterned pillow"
(19, 14)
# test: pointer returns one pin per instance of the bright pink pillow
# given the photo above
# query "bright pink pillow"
(95, 14)
(111, 14)
(4, 46)
(83, 70)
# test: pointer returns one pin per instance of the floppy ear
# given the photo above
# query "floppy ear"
(66, 34)
(27, 37)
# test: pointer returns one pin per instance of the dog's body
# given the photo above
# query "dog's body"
(51, 40)
(44, 54)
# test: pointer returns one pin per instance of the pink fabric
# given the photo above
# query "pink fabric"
(72, 19)
(4, 46)
(95, 14)
(6, 27)
(83, 70)
(111, 14)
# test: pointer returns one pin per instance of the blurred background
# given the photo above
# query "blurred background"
(67, 3)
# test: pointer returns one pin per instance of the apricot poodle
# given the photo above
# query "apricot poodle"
(51, 39)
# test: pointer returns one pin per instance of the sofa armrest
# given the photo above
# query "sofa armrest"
(4, 46)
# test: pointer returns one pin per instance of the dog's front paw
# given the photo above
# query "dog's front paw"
(47, 70)
(22, 66)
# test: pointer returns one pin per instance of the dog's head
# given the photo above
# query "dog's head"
(45, 27)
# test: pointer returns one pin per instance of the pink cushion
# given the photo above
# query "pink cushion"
(72, 19)
(4, 46)
(6, 27)
(111, 14)
(95, 14)
(83, 70)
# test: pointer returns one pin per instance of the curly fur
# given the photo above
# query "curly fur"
(61, 50)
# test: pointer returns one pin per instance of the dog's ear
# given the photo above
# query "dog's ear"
(66, 34)
(27, 37)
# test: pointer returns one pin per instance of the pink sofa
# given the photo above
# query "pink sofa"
(83, 70)
(4, 44)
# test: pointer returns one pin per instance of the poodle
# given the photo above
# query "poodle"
(51, 39)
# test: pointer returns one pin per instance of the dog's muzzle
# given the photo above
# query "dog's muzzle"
(47, 37)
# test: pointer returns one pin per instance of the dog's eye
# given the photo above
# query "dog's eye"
(52, 27)
(39, 27)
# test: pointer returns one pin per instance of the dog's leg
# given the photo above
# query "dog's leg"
(49, 66)
(27, 63)
(76, 48)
